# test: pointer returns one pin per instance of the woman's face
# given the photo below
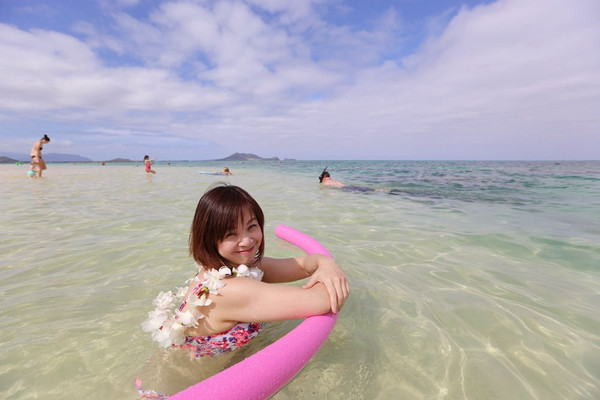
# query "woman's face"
(240, 245)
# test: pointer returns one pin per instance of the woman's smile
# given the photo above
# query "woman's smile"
(241, 244)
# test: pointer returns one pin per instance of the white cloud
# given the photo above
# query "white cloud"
(508, 79)
(511, 78)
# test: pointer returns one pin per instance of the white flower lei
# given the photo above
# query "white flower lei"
(167, 324)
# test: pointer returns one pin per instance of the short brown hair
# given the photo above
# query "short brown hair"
(217, 213)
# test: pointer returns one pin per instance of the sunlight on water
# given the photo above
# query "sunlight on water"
(469, 280)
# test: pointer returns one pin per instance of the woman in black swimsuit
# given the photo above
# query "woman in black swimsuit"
(37, 162)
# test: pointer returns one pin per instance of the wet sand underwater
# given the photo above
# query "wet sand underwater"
(469, 280)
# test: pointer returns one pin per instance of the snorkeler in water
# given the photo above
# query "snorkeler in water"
(325, 179)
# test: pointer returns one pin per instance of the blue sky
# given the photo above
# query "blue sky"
(305, 79)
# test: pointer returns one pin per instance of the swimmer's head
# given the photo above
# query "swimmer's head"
(324, 174)
(46, 138)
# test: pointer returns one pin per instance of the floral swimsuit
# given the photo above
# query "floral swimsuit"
(167, 326)
(224, 342)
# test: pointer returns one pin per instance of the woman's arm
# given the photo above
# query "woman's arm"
(319, 267)
(248, 300)
(278, 270)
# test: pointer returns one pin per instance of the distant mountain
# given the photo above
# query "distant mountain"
(16, 156)
(120, 160)
(7, 160)
(246, 157)
(50, 157)
(57, 157)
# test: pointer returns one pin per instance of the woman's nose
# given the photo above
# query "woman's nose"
(246, 240)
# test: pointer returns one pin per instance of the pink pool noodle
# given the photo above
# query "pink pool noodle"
(264, 373)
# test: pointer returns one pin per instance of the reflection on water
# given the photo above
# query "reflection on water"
(473, 281)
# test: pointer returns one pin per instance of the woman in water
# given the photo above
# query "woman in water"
(148, 164)
(234, 291)
(37, 162)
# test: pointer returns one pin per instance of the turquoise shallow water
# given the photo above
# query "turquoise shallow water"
(470, 280)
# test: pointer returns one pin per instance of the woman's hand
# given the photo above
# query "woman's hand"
(329, 273)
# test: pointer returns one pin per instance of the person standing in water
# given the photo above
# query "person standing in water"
(148, 163)
(37, 162)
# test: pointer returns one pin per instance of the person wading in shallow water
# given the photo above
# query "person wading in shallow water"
(37, 163)
(148, 163)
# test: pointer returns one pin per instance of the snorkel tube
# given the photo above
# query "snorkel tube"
(322, 175)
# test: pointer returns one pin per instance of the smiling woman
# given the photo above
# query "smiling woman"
(263, 374)
(233, 294)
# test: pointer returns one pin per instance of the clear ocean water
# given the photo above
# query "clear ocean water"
(470, 280)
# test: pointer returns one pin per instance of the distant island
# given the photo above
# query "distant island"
(57, 157)
(7, 158)
(11, 158)
(120, 160)
(246, 157)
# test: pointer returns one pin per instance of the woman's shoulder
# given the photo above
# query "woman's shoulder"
(176, 312)
(238, 288)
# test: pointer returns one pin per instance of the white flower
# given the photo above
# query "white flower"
(181, 291)
(155, 320)
(163, 300)
(189, 317)
(160, 336)
(242, 270)
(195, 301)
(171, 333)
(176, 335)
(213, 279)
(256, 273)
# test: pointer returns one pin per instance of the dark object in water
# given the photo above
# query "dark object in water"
(358, 188)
